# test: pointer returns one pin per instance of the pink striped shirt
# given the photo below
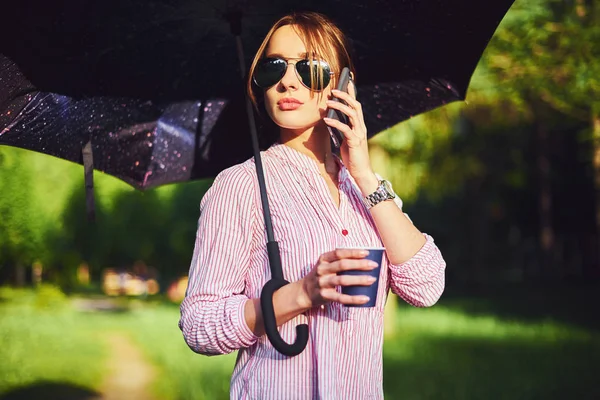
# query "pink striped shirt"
(343, 358)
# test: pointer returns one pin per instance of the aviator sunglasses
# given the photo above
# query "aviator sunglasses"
(270, 70)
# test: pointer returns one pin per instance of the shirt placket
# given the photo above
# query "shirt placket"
(320, 193)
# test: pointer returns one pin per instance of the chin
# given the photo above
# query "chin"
(294, 122)
(296, 126)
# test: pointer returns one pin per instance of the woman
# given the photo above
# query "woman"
(318, 204)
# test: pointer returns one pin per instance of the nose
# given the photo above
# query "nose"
(290, 78)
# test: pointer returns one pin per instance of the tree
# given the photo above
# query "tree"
(539, 73)
(21, 225)
(549, 50)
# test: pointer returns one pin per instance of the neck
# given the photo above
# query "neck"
(313, 142)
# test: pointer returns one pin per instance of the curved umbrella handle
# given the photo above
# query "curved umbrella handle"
(266, 304)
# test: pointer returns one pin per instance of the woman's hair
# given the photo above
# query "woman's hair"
(323, 41)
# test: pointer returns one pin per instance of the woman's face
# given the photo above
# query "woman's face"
(279, 98)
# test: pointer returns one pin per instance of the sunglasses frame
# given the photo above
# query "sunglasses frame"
(287, 64)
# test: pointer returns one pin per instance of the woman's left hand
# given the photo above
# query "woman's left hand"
(354, 149)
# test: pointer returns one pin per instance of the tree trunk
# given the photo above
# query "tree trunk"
(20, 274)
(477, 236)
(546, 233)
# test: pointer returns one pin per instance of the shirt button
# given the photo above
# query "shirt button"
(344, 232)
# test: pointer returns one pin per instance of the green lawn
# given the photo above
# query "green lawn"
(43, 347)
(449, 351)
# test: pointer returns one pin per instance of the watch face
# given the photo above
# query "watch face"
(388, 187)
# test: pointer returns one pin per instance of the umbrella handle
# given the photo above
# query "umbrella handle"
(266, 303)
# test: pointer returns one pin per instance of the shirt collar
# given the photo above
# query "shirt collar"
(303, 162)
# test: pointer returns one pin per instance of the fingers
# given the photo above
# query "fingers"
(339, 254)
(354, 119)
(345, 129)
(352, 89)
(330, 281)
(349, 98)
(352, 109)
(345, 265)
(349, 111)
(326, 277)
(333, 295)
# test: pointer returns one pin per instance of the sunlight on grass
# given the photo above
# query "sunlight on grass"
(445, 353)
(42, 341)
(441, 321)
(436, 353)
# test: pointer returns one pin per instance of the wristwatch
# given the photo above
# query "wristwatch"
(384, 192)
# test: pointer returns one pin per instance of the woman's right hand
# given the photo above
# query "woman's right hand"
(319, 285)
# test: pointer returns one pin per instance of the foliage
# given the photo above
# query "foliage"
(469, 173)
(44, 219)
(21, 230)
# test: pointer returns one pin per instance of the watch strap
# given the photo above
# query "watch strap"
(381, 194)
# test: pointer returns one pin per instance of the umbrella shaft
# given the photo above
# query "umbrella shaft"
(257, 158)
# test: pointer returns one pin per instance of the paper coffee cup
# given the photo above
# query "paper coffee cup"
(375, 254)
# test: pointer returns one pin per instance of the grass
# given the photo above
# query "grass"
(449, 351)
(42, 343)
(183, 374)
(441, 353)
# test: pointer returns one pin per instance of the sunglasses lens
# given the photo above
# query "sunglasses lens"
(321, 73)
(269, 71)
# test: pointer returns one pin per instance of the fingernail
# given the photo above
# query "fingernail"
(365, 298)
(371, 279)
(363, 253)
(373, 264)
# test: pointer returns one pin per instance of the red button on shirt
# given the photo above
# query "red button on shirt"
(344, 232)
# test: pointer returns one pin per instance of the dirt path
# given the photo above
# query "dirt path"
(130, 375)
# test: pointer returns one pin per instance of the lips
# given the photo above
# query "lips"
(289, 103)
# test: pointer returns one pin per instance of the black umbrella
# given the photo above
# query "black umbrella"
(144, 142)
(410, 56)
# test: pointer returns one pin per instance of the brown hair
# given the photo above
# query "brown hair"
(323, 41)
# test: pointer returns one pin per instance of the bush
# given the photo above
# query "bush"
(49, 297)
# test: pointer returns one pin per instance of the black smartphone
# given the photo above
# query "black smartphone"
(336, 136)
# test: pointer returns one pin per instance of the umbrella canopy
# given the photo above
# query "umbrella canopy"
(410, 56)
(145, 143)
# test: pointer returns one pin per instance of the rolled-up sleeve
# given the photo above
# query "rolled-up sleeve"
(212, 313)
(420, 281)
